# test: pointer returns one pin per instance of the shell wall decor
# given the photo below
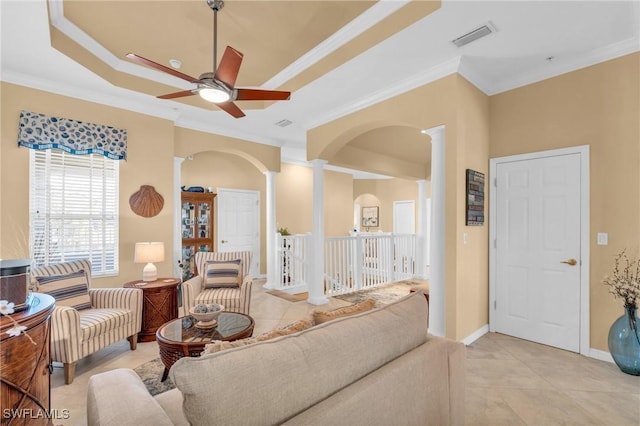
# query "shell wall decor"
(146, 202)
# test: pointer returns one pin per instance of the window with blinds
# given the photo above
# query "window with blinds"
(74, 209)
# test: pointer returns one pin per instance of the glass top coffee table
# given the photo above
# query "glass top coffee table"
(181, 337)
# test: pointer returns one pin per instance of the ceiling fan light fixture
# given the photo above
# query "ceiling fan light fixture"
(213, 95)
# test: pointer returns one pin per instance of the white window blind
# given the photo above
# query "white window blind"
(74, 209)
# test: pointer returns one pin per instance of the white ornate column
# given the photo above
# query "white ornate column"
(437, 281)
(271, 229)
(421, 235)
(177, 216)
(316, 281)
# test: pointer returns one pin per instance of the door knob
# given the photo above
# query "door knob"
(571, 262)
(225, 241)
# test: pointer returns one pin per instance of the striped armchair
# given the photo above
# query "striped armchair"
(115, 313)
(233, 299)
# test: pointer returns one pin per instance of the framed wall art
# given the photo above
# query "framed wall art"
(370, 216)
(475, 198)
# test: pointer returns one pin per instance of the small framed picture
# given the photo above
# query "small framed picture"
(370, 216)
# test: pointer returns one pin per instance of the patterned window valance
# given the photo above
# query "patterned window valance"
(40, 131)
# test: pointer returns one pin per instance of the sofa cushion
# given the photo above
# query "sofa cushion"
(297, 364)
(95, 322)
(222, 274)
(221, 345)
(320, 316)
(68, 290)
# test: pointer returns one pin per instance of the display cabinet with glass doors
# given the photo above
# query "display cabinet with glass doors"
(196, 223)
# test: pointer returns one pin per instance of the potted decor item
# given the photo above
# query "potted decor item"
(624, 338)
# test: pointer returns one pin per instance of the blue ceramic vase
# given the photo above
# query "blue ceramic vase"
(624, 341)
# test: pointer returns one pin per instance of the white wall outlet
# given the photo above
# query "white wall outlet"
(465, 238)
(603, 238)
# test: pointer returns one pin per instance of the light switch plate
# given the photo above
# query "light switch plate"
(603, 239)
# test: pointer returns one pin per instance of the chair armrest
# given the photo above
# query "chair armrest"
(245, 292)
(190, 290)
(118, 397)
(121, 298)
(66, 334)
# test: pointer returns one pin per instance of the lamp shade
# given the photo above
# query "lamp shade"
(149, 252)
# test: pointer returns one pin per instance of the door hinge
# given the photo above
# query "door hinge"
(495, 305)
(495, 182)
(495, 243)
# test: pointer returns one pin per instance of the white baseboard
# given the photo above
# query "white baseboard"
(600, 355)
(476, 335)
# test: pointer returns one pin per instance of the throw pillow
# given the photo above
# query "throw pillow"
(320, 317)
(68, 290)
(222, 274)
(221, 345)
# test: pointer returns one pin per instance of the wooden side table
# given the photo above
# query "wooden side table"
(160, 304)
(24, 367)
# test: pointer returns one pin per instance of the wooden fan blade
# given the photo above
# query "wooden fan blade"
(177, 94)
(229, 66)
(231, 108)
(162, 68)
(262, 95)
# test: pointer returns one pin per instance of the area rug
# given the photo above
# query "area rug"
(382, 295)
(299, 297)
(151, 372)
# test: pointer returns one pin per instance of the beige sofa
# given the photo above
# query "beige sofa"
(376, 368)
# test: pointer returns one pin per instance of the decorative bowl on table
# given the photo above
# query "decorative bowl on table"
(206, 314)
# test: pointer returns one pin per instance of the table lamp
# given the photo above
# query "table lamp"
(149, 253)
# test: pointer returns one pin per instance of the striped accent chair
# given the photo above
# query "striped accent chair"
(233, 299)
(115, 314)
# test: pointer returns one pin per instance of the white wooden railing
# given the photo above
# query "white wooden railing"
(351, 263)
(292, 259)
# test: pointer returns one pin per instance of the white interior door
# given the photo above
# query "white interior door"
(404, 217)
(537, 239)
(238, 223)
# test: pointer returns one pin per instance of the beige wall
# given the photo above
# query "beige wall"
(149, 162)
(294, 200)
(220, 170)
(597, 106)
(385, 192)
(472, 298)
(439, 103)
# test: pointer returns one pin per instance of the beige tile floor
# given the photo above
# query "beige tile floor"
(509, 381)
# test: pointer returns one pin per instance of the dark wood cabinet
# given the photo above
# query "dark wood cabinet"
(160, 304)
(24, 367)
(197, 228)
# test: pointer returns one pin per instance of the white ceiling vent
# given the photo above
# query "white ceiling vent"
(284, 123)
(475, 34)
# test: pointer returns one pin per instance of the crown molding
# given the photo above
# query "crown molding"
(60, 22)
(180, 117)
(133, 101)
(435, 73)
(596, 56)
(366, 20)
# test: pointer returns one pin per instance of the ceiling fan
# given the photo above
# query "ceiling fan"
(217, 87)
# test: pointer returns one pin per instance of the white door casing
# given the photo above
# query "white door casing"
(539, 218)
(238, 223)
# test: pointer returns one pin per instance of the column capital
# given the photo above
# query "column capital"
(270, 173)
(178, 160)
(421, 181)
(436, 133)
(318, 162)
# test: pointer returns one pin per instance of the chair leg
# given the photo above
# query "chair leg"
(69, 372)
(133, 341)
